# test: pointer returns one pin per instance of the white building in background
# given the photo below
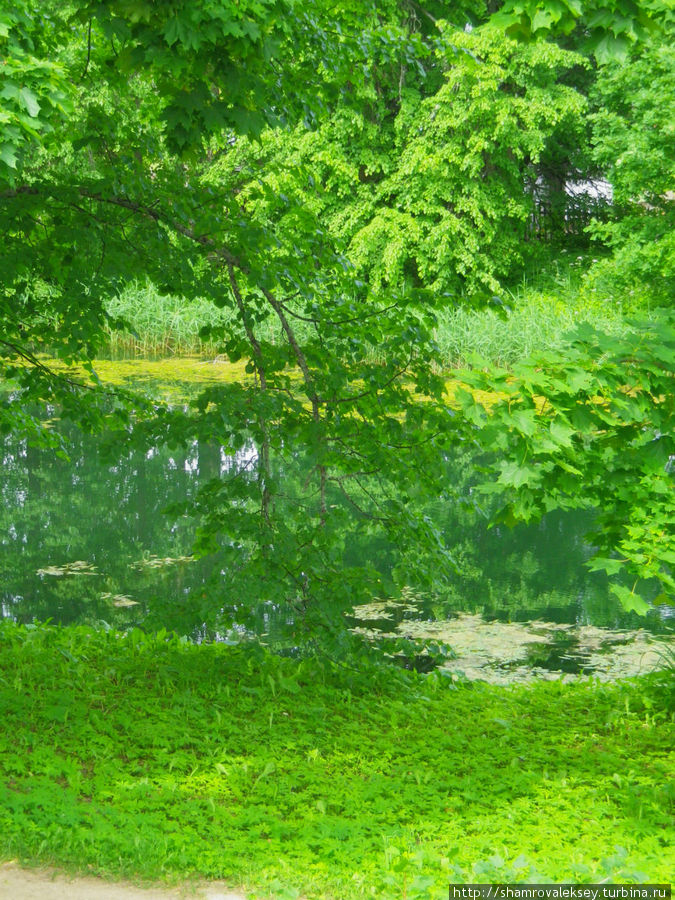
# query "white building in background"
(594, 189)
(566, 206)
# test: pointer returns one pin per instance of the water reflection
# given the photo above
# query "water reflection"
(80, 535)
(87, 541)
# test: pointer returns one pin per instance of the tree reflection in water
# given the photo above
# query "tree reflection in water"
(111, 516)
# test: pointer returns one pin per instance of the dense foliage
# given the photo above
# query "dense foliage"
(608, 407)
(634, 132)
(348, 174)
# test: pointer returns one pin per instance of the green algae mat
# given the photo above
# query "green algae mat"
(149, 757)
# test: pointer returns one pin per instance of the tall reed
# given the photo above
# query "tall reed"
(535, 315)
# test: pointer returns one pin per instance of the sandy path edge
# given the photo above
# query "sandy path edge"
(17, 883)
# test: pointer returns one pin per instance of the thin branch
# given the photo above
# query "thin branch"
(358, 508)
(378, 388)
(313, 320)
(425, 12)
(246, 319)
(375, 502)
(297, 351)
(264, 467)
(148, 211)
(50, 373)
(309, 382)
(86, 65)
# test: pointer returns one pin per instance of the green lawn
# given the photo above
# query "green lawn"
(150, 757)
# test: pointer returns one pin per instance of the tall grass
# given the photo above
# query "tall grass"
(533, 321)
(160, 325)
(536, 314)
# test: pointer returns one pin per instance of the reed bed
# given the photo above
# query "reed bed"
(533, 316)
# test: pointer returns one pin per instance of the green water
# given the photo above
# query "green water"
(85, 540)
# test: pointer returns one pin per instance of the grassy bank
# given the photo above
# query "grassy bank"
(148, 757)
(535, 314)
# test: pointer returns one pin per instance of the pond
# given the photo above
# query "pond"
(85, 540)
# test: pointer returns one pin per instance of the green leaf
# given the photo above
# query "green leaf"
(611, 566)
(29, 101)
(630, 601)
(517, 475)
(525, 421)
(561, 432)
(543, 18)
(611, 48)
(8, 155)
(10, 91)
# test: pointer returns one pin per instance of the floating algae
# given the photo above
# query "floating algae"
(521, 652)
(122, 601)
(79, 567)
(160, 562)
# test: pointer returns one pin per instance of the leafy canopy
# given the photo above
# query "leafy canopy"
(136, 143)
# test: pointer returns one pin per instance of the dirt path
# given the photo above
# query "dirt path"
(49, 884)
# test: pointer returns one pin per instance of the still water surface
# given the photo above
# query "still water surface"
(87, 541)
